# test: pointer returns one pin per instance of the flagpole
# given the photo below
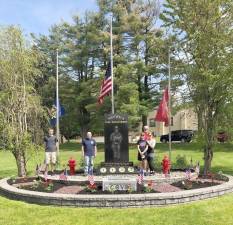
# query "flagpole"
(57, 106)
(111, 59)
(169, 101)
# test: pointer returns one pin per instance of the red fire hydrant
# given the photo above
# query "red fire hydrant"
(72, 164)
(166, 165)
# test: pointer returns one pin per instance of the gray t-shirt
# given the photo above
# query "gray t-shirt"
(50, 143)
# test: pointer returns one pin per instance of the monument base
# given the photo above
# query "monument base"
(107, 168)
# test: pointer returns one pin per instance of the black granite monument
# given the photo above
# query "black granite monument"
(116, 145)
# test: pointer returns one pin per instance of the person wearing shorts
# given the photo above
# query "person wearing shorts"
(142, 152)
(50, 150)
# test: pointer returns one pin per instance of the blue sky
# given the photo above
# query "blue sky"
(37, 16)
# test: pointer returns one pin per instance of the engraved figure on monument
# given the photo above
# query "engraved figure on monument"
(116, 140)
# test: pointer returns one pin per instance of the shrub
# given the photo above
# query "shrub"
(181, 162)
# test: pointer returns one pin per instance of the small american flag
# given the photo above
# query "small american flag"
(63, 175)
(91, 178)
(37, 169)
(140, 177)
(188, 174)
(106, 85)
(46, 176)
(197, 169)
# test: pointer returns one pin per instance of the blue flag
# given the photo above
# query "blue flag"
(53, 112)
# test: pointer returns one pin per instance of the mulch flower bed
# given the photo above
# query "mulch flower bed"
(189, 185)
(66, 187)
(201, 182)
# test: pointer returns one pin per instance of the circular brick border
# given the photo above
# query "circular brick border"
(114, 200)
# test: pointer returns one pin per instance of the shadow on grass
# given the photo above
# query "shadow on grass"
(72, 146)
(8, 173)
(196, 147)
(224, 169)
(219, 147)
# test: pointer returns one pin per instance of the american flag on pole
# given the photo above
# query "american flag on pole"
(91, 178)
(106, 86)
(140, 177)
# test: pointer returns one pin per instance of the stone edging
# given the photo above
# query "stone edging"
(114, 200)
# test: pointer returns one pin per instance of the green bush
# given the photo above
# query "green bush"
(81, 163)
(157, 163)
(181, 162)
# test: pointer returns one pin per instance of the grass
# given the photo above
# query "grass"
(222, 160)
(216, 211)
(207, 212)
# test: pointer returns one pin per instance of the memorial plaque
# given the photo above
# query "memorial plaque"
(116, 138)
(119, 184)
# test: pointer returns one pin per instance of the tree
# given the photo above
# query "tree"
(84, 49)
(20, 106)
(204, 33)
(137, 45)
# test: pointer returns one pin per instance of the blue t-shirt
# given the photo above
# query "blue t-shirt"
(89, 146)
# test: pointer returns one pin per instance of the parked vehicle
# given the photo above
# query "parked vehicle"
(178, 135)
(222, 136)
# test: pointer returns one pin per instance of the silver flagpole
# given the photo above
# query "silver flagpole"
(111, 59)
(169, 102)
(57, 112)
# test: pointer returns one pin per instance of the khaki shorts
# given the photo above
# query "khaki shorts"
(50, 157)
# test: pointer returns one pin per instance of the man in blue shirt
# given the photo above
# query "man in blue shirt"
(89, 151)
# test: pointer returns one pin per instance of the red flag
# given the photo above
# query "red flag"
(162, 112)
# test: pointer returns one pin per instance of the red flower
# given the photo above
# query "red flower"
(150, 183)
(92, 186)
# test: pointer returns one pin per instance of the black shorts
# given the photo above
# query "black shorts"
(140, 158)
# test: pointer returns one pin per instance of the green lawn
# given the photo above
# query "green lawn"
(213, 211)
(222, 161)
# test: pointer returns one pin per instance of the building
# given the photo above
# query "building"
(185, 119)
